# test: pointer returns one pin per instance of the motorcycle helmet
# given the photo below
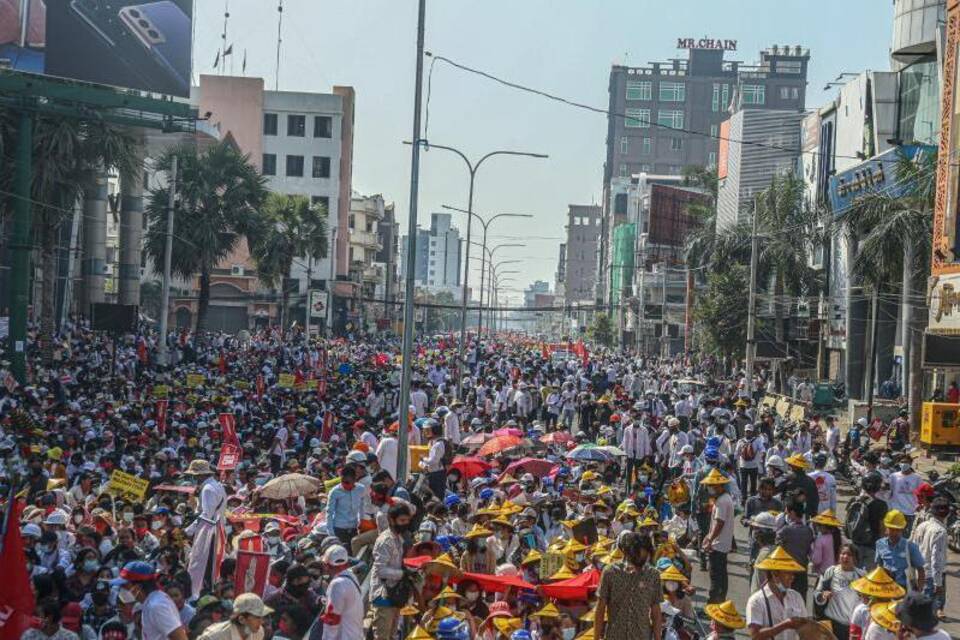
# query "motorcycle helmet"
(872, 482)
(452, 628)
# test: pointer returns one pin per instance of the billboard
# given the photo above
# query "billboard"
(137, 45)
(876, 175)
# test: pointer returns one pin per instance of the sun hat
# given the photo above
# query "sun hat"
(506, 626)
(780, 560)
(507, 479)
(478, 531)
(715, 478)
(827, 519)
(589, 616)
(419, 633)
(531, 557)
(573, 546)
(549, 610)
(726, 614)
(885, 615)
(878, 584)
(562, 574)
(674, 574)
(447, 594)
(895, 520)
(199, 468)
(498, 609)
(252, 604)
(797, 460)
(502, 520)
(409, 610)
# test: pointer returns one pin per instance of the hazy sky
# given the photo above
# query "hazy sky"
(561, 46)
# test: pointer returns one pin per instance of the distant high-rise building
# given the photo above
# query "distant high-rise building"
(437, 264)
(580, 256)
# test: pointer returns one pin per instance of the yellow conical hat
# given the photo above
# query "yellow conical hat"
(878, 584)
(726, 614)
(715, 478)
(506, 626)
(419, 633)
(447, 594)
(478, 531)
(573, 546)
(828, 519)
(672, 573)
(562, 574)
(533, 556)
(780, 560)
(549, 610)
(885, 615)
(409, 610)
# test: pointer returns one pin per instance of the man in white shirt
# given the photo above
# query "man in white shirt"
(636, 444)
(749, 453)
(931, 536)
(433, 463)
(903, 497)
(826, 484)
(777, 611)
(451, 423)
(419, 400)
(160, 619)
(278, 448)
(387, 451)
(343, 616)
(719, 540)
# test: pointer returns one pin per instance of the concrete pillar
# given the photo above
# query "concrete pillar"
(94, 240)
(131, 236)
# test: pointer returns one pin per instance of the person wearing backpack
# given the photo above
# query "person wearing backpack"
(864, 520)
(439, 456)
(749, 452)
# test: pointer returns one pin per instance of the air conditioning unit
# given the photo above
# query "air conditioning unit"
(236, 270)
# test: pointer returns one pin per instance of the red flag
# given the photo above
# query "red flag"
(161, 409)
(308, 360)
(228, 426)
(260, 387)
(142, 350)
(322, 388)
(223, 363)
(16, 596)
(327, 432)
(543, 352)
(298, 378)
(253, 566)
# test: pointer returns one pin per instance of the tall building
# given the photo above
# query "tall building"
(366, 215)
(389, 258)
(437, 263)
(762, 144)
(303, 144)
(667, 115)
(580, 255)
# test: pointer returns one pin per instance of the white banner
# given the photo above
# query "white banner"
(318, 304)
(945, 304)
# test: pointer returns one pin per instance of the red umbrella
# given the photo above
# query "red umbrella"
(556, 437)
(536, 466)
(470, 466)
(498, 444)
(508, 431)
(576, 588)
(475, 439)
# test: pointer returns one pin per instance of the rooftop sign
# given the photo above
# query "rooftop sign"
(707, 43)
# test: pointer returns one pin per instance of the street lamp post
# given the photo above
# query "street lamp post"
(489, 255)
(472, 168)
(486, 225)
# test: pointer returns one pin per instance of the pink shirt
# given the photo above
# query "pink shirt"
(821, 553)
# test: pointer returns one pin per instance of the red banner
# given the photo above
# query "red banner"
(327, 432)
(229, 458)
(253, 566)
(322, 388)
(16, 597)
(228, 426)
(260, 387)
(161, 409)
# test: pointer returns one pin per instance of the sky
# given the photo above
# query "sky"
(564, 47)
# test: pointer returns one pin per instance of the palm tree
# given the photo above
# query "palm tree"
(894, 233)
(67, 153)
(702, 236)
(219, 194)
(787, 227)
(292, 227)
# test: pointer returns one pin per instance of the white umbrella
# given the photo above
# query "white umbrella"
(291, 485)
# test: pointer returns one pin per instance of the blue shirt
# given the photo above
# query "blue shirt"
(344, 508)
(893, 558)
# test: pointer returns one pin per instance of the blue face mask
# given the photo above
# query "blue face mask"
(90, 565)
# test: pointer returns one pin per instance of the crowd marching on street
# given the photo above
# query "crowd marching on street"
(251, 490)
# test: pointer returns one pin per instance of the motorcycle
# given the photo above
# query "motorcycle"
(948, 487)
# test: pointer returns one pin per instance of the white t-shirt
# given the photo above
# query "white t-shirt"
(281, 441)
(723, 510)
(160, 616)
(345, 601)
(902, 486)
(792, 606)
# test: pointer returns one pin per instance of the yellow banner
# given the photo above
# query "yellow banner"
(161, 391)
(195, 380)
(770, 401)
(552, 562)
(128, 486)
(798, 412)
(286, 380)
(783, 407)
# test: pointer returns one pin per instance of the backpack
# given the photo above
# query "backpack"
(749, 453)
(448, 453)
(857, 525)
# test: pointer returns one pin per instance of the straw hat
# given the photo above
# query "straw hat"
(488, 511)
(590, 616)
(604, 490)
(199, 468)
(589, 475)
(409, 610)
(503, 521)
(895, 520)
(885, 615)
(498, 609)
(726, 614)
(419, 633)
(531, 557)
(447, 594)
(780, 560)
(797, 460)
(715, 478)
(510, 509)
(672, 573)
(549, 610)
(827, 519)
(614, 556)
(878, 584)
(439, 614)
(649, 521)
(574, 546)
(442, 565)
(506, 626)
(562, 574)
(506, 480)
(478, 531)
(586, 635)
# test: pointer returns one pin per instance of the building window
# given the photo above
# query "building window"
(646, 147)
(321, 201)
(670, 118)
(675, 169)
(789, 66)
(624, 171)
(637, 118)
(624, 145)
(269, 164)
(676, 144)
(784, 93)
(673, 92)
(712, 159)
(639, 90)
(714, 130)
(322, 127)
(269, 124)
(794, 93)
(754, 94)
(321, 167)
(295, 166)
(297, 126)
(645, 168)
(721, 97)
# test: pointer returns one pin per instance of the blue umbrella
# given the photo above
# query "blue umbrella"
(589, 453)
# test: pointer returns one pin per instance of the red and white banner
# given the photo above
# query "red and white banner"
(229, 458)
(161, 409)
(253, 566)
(228, 426)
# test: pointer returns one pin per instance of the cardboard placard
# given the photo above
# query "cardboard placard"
(551, 562)
(161, 391)
(798, 412)
(286, 380)
(195, 380)
(128, 486)
(783, 407)
(229, 458)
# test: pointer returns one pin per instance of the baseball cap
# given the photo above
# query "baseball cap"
(251, 603)
(336, 556)
(135, 571)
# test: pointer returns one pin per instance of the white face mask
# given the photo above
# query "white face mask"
(472, 596)
(569, 633)
(127, 517)
(156, 524)
(671, 585)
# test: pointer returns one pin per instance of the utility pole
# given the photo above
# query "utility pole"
(406, 367)
(871, 358)
(664, 333)
(20, 248)
(167, 260)
(752, 303)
